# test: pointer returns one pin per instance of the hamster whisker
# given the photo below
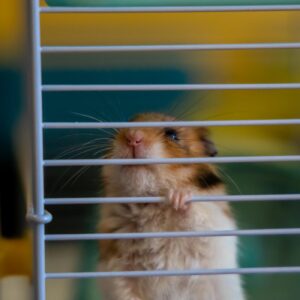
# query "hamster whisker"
(115, 109)
(76, 135)
(76, 155)
(74, 152)
(105, 156)
(174, 109)
(231, 180)
(102, 150)
(123, 118)
(214, 116)
(66, 171)
(186, 109)
(81, 146)
(57, 182)
(90, 148)
(68, 151)
(98, 120)
(192, 140)
(75, 176)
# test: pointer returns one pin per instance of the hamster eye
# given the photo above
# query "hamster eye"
(171, 134)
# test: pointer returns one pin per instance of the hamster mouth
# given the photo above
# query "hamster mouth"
(133, 166)
(134, 153)
(137, 152)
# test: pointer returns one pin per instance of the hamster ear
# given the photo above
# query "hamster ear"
(209, 146)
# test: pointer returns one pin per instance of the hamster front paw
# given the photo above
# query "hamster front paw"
(179, 199)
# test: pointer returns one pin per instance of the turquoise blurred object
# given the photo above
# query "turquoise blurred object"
(166, 2)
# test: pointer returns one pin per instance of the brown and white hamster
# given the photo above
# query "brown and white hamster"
(178, 182)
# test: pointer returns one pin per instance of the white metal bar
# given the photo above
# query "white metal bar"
(192, 47)
(171, 234)
(165, 9)
(149, 161)
(35, 111)
(167, 87)
(218, 198)
(193, 272)
(91, 125)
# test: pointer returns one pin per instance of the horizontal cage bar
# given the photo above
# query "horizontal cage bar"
(91, 125)
(167, 87)
(162, 9)
(149, 161)
(227, 198)
(192, 47)
(194, 272)
(174, 234)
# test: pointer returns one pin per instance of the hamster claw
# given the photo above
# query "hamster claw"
(179, 199)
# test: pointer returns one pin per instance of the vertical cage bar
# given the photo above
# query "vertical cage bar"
(36, 131)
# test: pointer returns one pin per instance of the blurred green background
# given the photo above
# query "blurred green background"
(246, 66)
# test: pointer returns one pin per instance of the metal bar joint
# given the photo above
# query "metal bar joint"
(39, 219)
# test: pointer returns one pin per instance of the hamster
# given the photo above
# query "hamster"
(177, 182)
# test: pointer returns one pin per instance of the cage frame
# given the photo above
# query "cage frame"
(37, 214)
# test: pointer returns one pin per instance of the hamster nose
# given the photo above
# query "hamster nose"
(134, 138)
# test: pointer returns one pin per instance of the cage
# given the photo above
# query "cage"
(46, 121)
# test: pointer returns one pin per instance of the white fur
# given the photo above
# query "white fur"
(177, 253)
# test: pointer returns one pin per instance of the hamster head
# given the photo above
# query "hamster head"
(167, 142)
(157, 142)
